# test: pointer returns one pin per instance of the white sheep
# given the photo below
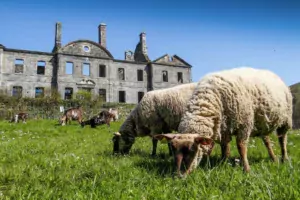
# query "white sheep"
(242, 102)
(159, 111)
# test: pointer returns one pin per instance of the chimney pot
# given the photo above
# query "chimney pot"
(102, 34)
(58, 35)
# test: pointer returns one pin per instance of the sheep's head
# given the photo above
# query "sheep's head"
(122, 143)
(188, 150)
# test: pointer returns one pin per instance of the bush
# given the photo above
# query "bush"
(48, 107)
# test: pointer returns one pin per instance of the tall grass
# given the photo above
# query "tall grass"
(40, 160)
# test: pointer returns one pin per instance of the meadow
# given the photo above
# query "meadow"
(40, 160)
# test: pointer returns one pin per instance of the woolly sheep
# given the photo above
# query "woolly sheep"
(243, 102)
(159, 111)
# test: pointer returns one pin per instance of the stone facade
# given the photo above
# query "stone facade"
(87, 65)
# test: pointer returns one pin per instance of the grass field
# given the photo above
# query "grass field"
(40, 160)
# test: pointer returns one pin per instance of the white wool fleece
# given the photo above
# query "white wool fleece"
(159, 110)
(235, 99)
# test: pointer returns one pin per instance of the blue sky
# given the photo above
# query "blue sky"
(210, 35)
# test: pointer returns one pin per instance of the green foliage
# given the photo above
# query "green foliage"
(83, 95)
(48, 106)
(40, 160)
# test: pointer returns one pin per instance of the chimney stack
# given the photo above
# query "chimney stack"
(143, 43)
(102, 34)
(58, 35)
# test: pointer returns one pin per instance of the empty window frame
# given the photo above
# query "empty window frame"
(102, 94)
(102, 71)
(86, 69)
(122, 96)
(19, 66)
(165, 76)
(17, 91)
(179, 77)
(140, 96)
(39, 92)
(68, 93)
(69, 68)
(121, 74)
(140, 75)
(41, 65)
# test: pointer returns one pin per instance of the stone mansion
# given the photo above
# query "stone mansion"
(88, 65)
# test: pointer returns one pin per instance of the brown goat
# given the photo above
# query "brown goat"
(72, 114)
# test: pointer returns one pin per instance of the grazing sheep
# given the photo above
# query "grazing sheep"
(159, 111)
(242, 102)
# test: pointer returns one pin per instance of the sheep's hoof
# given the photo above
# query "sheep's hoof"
(284, 158)
(179, 176)
(246, 169)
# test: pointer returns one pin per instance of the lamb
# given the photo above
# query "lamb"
(242, 102)
(72, 114)
(159, 111)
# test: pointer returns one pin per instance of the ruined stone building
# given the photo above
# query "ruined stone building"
(88, 65)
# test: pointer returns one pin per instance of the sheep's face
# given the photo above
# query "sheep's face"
(188, 150)
(122, 144)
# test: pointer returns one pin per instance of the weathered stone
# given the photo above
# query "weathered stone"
(102, 35)
(93, 55)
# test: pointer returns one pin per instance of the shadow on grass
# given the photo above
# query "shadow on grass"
(164, 166)
(71, 125)
(133, 153)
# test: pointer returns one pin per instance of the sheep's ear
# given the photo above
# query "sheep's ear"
(117, 134)
(165, 137)
(203, 141)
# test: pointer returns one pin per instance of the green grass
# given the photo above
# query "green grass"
(39, 160)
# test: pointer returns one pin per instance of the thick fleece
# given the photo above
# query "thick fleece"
(159, 111)
(244, 102)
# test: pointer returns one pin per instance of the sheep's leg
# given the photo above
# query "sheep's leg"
(282, 138)
(242, 148)
(267, 143)
(154, 146)
(170, 149)
(225, 146)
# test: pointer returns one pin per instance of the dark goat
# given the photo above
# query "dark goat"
(107, 117)
(94, 121)
(20, 116)
(104, 117)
